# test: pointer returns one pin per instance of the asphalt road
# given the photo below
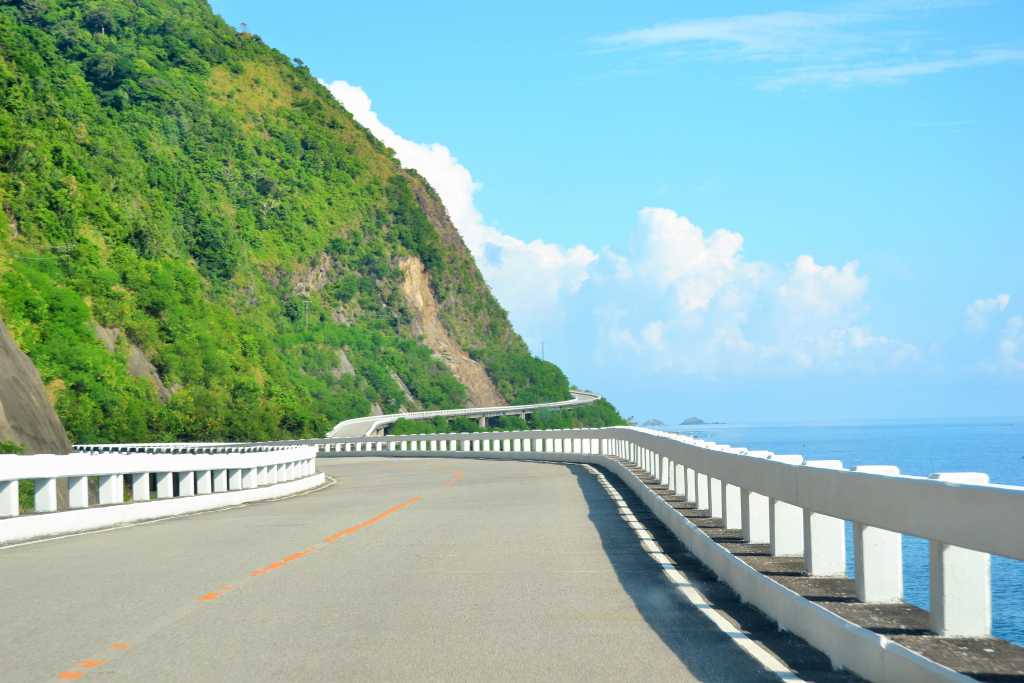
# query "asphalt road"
(423, 569)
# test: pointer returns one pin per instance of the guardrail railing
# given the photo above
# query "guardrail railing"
(163, 472)
(799, 507)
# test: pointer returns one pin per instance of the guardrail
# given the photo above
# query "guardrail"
(799, 507)
(165, 480)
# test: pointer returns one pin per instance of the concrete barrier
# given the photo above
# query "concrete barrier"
(180, 482)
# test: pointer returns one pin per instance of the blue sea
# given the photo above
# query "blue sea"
(918, 447)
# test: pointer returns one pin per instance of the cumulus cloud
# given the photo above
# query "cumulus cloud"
(980, 311)
(722, 313)
(555, 271)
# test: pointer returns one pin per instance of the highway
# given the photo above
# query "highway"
(364, 426)
(424, 569)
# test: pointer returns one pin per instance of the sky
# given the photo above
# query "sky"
(743, 211)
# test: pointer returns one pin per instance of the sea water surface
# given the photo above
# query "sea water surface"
(918, 447)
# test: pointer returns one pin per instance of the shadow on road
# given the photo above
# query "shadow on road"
(708, 653)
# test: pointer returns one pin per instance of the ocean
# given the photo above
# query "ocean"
(918, 447)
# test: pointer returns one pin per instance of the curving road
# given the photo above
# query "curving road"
(424, 569)
(364, 426)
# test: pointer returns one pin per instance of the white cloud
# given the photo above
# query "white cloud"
(555, 271)
(980, 311)
(682, 298)
(863, 44)
(724, 313)
(888, 73)
(1011, 344)
(822, 290)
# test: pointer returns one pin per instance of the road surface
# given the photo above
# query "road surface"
(404, 569)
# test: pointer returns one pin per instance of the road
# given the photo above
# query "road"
(424, 569)
(364, 426)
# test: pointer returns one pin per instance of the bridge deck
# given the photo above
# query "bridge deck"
(416, 569)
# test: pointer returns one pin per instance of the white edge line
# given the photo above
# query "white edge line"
(687, 589)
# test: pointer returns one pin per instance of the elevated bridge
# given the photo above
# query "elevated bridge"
(614, 553)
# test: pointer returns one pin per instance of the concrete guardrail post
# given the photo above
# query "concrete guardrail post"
(78, 492)
(46, 495)
(878, 554)
(824, 536)
(140, 487)
(786, 521)
(960, 580)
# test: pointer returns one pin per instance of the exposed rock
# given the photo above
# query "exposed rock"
(409, 398)
(344, 366)
(26, 416)
(138, 364)
(427, 324)
(314, 279)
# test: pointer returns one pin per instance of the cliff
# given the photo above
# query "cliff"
(26, 417)
(198, 242)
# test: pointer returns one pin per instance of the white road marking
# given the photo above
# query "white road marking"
(685, 587)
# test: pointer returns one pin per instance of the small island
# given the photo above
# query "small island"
(692, 421)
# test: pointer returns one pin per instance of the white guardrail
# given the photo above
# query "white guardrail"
(159, 479)
(797, 507)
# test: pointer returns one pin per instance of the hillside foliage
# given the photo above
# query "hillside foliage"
(169, 178)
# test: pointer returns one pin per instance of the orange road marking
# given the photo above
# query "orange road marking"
(370, 522)
(119, 646)
(91, 663)
(456, 478)
(70, 675)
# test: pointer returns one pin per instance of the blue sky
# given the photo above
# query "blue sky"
(733, 210)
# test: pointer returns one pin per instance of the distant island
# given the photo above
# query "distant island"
(653, 423)
(691, 421)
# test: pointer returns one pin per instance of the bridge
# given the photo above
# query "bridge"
(377, 424)
(613, 553)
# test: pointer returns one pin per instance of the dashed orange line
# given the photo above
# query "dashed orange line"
(91, 663)
(456, 478)
(370, 522)
(87, 664)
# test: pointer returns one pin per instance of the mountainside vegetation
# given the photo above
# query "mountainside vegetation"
(198, 242)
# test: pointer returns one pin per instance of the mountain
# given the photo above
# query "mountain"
(198, 242)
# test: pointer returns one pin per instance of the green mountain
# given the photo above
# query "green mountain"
(198, 242)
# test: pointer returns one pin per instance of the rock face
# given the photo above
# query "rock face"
(427, 325)
(26, 416)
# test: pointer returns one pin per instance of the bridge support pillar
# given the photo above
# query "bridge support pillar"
(234, 480)
(786, 525)
(961, 588)
(220, 481)
(483, 422)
